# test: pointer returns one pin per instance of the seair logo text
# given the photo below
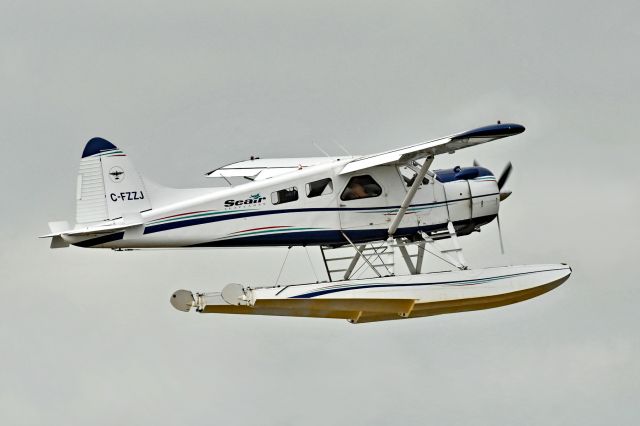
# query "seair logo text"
(252, 200)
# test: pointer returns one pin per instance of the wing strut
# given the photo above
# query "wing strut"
(354, 261)
(409, 197)
(373, 268)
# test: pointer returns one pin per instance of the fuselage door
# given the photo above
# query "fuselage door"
(369, 199)
(423, 206)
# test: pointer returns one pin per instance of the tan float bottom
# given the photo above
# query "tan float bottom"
(370, 310)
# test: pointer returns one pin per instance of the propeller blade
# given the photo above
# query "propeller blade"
(504, 195)
(500, 235)
(505, 175)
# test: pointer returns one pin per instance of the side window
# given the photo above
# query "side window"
(284, 195)
(409, 176)
(361, 187)
(319, 187)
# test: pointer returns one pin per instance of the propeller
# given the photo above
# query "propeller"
(500, 235)
(505, 175)
(502, 180)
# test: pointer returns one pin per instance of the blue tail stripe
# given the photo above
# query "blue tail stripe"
(97, 145)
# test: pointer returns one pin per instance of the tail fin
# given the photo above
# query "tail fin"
(109, 187)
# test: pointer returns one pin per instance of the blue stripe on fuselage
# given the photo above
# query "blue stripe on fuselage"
(202, 220)
(335, 237)
(324, 237)
(208, 219)
(100, 240)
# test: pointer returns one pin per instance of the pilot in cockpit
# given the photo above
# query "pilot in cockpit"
(361, 187)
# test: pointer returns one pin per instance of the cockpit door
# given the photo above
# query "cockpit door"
(369, 200)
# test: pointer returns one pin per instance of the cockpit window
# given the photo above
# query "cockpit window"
(409, 176)
(284, 195)
(361, 187)
(319, 187)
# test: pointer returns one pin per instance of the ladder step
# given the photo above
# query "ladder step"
(369, 256)
(339, 258)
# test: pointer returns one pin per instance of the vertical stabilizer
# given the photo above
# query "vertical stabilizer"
(109, 187)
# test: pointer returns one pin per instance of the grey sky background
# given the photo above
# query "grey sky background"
(88, 336)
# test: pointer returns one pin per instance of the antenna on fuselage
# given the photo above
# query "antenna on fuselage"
(320, 149)
(343, 149)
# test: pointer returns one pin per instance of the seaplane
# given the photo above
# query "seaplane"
(367, 215)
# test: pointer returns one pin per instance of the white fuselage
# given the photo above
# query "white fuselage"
(255, 213)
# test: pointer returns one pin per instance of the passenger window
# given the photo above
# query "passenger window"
(361, 187)
(284, 195)
(319, 187)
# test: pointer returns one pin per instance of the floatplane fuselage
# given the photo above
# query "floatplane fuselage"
(312, 205)
(352, 201)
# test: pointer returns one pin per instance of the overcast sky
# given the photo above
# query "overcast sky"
(89, 337)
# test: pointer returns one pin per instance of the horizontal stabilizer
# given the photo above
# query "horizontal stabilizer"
(58, 242)
(90, 231)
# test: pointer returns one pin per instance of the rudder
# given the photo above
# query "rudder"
(109, 186)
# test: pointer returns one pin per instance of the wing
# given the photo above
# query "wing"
(447, 144)
(263, 168)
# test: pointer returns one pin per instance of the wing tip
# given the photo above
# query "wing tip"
(498, 130)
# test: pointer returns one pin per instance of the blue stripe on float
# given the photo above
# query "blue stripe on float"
(459, 282)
